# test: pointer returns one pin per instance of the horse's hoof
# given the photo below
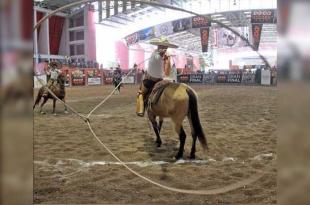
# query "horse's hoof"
(66, 112)
(43, 113)
(192, 157)
(178, 157)
(54, 114)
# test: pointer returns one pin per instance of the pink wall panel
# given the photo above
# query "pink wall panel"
(122, 54)
(138, 56)
(91, 52)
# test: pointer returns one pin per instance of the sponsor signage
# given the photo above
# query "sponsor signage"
(163, 29)
(78, 77)
(263, 16)
(221, 78)
(265, 77)
(208, 78)
(256, 32)
(94, 81)
(204, 35)
(146, 34)
(132, 38)
(184, 78)
(181, 25)
(234, 77)
(128, 79)
(196, 78)
(199, 22)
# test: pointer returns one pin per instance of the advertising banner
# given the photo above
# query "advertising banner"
(234, 77)
(146, 34)
(221, 78)
(200, 22)
(204, 35)
(181, 25)
(132, 38)
(256, 32)
(94, 81)
(227, 39)
(248, 78)
(265, 77)
(78, 78)
(263, 16)
(163, 29)
(196, 78)
(128, 79)
(183, 78)
(209, 78)
(93, 77)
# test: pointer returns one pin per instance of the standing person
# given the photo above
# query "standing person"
(54, 72)
(117, 79)
(159, 64)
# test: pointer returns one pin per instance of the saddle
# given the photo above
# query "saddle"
(157, 91)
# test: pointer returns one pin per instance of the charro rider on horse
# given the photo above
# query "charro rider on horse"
(158, 67)
(54, 72)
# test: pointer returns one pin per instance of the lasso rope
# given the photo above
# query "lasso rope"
(86, 119)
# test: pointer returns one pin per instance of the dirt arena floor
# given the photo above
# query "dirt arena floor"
(71, 167)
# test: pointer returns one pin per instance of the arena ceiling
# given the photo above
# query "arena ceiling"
(129, 16)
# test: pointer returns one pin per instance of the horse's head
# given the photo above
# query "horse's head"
(61, 78)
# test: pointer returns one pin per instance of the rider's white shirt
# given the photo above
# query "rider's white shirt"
(155, 68)
(54, 74)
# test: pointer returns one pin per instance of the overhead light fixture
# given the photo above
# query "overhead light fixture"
(215, 15)
(221, 18)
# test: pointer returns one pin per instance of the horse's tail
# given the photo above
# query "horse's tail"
(194, 118)
(39, 96)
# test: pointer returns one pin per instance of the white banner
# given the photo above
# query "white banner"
(128, 80)
(94, 81)
(163, 29)
(41, 78)
(265, 77)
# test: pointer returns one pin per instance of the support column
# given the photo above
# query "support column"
(48, 38)
(35, 37)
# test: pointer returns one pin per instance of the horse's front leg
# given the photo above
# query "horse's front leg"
(66, 110)
(152, 118)
(182, 136)
(42, 104)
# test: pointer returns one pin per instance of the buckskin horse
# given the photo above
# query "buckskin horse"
(58, 90)
(176, 101)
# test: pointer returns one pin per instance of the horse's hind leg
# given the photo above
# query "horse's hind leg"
(194, 136)
(161, 120)
(182, 136)
(155, 128)
(42, 104)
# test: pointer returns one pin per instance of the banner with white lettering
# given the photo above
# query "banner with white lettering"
(263, 16)
(200, 22)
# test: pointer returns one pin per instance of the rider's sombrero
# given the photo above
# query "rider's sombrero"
(163, 42)
(53, 64)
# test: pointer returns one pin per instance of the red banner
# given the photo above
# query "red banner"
(204, 34)
(256, 32)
